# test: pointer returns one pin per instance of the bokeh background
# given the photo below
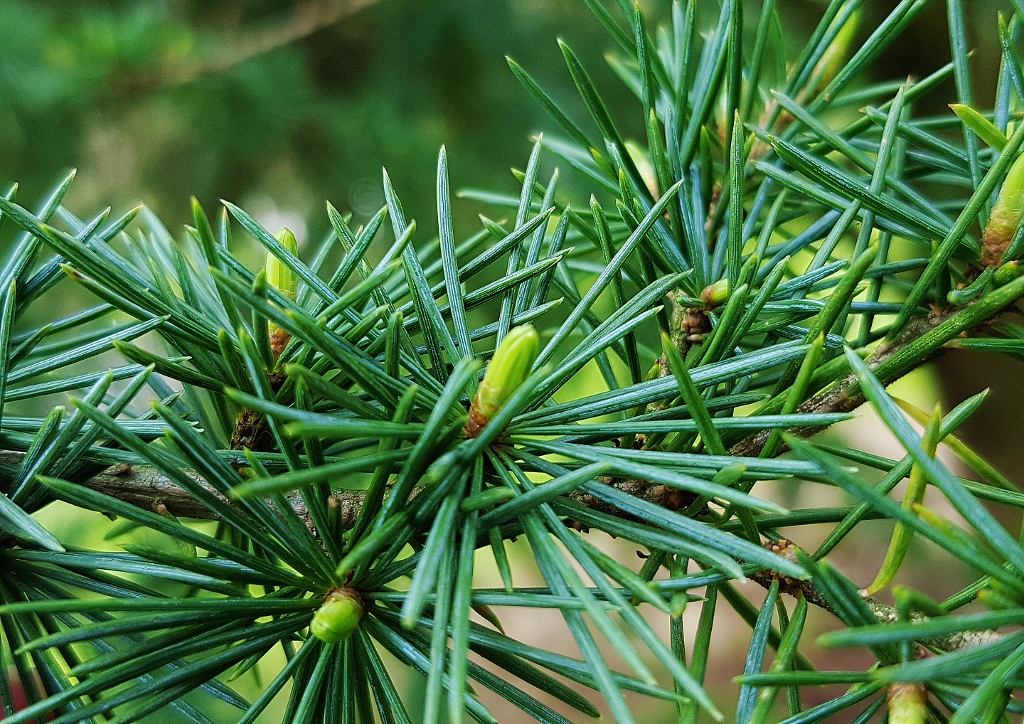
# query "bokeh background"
(279, 106)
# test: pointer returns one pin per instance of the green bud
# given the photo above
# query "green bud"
(278, 275)
(509, 368)
(283, 279)
(908, 703)
(1006, 215)
(716, 294)
(338, 617)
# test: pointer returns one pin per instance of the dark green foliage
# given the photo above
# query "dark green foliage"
(777, 258)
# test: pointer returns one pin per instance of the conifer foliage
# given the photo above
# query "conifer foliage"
(783, 240)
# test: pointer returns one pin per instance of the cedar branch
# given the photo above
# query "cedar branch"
(147, 488)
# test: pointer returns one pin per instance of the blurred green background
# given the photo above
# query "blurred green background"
(275, 105)
(279, 106)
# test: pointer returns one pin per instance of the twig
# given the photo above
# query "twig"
(883, 612)
(307, 18)
(844, 395)
(146, 487)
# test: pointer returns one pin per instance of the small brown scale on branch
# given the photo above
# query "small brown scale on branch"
(279, 339)
(661, 495)
(476, 422)
(788, 550)
(690, 327)
(251, 431)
